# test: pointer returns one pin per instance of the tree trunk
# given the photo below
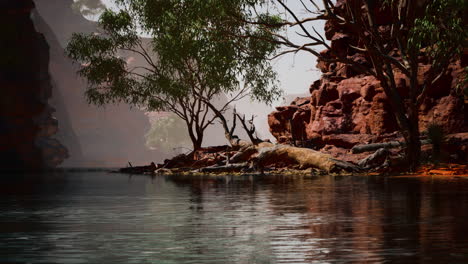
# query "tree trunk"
(413, 144)
(199, 140)
(196, 141)
(196, 145)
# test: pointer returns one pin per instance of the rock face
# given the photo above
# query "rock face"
(27, 126)
(108, 136)
(345, 109)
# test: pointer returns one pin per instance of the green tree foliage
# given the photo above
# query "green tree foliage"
(443, 34)
(192, 53)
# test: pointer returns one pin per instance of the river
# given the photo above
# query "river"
(100, 217)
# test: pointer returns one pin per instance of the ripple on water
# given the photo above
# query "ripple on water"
(95, 217)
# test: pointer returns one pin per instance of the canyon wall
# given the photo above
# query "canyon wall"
(345, 108)
(107, 136)
(27, 124)
(45, 120)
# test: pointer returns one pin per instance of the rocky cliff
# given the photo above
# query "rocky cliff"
(346, 108)
(107, 136)
(27, 125)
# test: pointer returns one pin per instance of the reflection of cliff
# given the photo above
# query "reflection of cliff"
(108, 136)
(343, 219)
(27, 127)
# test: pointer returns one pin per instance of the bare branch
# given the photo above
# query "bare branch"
(250, 131)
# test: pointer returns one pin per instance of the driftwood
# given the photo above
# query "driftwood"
(247, 151)
(374, 160)
(304, 157)
(373, 147)
(139, 169)
(226, 168)
(244, 154)
(163, 171)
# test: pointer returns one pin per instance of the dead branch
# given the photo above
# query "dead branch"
(250, 130)
(375, 159)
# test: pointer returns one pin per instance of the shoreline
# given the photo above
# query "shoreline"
(428, 170)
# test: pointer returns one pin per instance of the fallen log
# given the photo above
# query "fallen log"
(375, 146)
(304, 157)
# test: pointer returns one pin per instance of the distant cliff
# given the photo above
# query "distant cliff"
(27, 126)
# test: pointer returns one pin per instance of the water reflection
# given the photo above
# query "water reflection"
(102, 218)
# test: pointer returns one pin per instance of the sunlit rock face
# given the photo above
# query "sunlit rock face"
(27, 124)
(346, 108)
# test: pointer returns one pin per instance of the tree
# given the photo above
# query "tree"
(435, 29)
(188, 59)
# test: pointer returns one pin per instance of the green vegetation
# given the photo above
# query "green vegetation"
(194, 52)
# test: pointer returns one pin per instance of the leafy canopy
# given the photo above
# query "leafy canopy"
(191, 48)
(442, 31)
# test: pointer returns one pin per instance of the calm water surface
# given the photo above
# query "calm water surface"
(97, 217)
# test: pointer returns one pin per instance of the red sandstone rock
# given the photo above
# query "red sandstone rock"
(342, 154)
(343, 102)
(300, 101)
(348, 141)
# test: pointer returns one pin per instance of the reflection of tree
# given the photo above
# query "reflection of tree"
(168, 134)
(88, 7)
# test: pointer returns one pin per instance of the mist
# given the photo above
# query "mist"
(108, 136)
